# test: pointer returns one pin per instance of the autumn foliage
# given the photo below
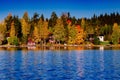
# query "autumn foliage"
(64, 29)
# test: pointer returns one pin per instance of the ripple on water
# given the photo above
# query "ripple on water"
(61, 65)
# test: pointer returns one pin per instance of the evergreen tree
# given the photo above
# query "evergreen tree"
(8, 21)
(18, 29)
(52, 21)
(42, 17)
(35, 19)
(74, 21)
(33, 23)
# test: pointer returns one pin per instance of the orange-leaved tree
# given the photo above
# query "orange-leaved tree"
(80, 35)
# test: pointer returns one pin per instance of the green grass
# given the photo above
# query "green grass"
(104, 43)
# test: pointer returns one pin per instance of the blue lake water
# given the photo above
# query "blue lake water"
(60, 65)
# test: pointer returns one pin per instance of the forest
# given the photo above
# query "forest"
(64, 29)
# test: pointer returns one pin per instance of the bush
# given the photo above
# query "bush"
(96, 40)
(13, 40)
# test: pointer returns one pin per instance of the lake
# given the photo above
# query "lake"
(60, 64)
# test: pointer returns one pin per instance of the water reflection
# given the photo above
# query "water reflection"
(80, 63)
(60, 48)
(59, 64)
(101, 48)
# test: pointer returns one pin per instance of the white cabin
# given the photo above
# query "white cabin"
(101, 38)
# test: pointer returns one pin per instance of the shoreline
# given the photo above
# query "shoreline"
(88, 45)
(61, 47)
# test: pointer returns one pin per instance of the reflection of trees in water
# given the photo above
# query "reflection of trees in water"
(80, 48)
(116, 48)
(36, 48)
(80, 63)
(75, 47)
(12, 49)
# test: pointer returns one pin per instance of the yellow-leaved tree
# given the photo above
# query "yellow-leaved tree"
(43, 30)
(116, 34)
(71, 33)
(2, 32)
(25, 30)
(12, 30)
(36, 34)
(13, 40)
(59, 31)
(25, 27)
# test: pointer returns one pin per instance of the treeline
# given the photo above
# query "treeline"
(64, 29)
